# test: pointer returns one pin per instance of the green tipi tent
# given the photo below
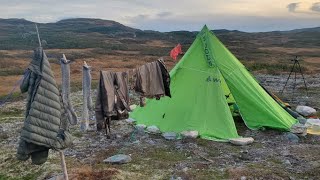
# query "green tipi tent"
(206, 79)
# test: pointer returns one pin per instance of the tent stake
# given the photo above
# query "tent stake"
(64, 166)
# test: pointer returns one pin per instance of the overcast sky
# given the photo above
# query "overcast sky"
(168, 15)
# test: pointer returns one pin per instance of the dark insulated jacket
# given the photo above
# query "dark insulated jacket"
(46, 121)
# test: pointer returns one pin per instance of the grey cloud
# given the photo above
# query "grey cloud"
(315, 7)
(293, 6)
(144, 14)
(243, 23)
(164, 14)
(138, 18)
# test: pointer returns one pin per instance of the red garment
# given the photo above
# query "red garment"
(176, 51)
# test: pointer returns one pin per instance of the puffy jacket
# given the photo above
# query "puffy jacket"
(46, 122)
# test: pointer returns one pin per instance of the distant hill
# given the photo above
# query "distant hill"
(314, 29)
(89, 33)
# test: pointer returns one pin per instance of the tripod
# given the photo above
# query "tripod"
(296, 66)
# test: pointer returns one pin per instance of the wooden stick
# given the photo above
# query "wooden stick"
(64, 57)
(38, 35)
(64, 166)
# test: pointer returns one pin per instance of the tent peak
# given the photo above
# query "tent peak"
(205, 28)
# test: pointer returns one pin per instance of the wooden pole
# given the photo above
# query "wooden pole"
(64, 166)
(64, 58)
(38, 35)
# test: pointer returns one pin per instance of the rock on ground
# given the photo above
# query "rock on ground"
(169, 135)
(301, 120)
(118, 159)
(299, 129)
(306, 110)
(291, 137)
(241, 141)
(153, 129)
(141, 126)
(130, 120)
(189, 134)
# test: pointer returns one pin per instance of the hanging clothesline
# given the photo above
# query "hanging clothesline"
(152, 80)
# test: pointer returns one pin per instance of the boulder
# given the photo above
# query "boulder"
(306, 110)
(130, 120)
(153, 129)
(291, 137)
(118, 159)
(169, 135)
(189, 134)
(301, 120)
(287, 162)
(313, 122)
(141, 126)
(299, 129)
(313, 126)
(241, 141)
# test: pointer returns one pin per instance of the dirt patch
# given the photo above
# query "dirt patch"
(158, 43)
(89, 173)
(314, 60)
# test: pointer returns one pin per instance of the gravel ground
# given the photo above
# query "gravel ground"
(271, 156)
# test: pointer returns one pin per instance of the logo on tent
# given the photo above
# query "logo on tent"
(213, 79)
(208, 55)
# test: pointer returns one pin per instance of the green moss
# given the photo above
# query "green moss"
(10, 115)
(257, 145)
(3, 177)
(202, 174)
(32, 176)
(203, 142)
(275, 160)
(162, 154)
(12, 112)
(77, 134)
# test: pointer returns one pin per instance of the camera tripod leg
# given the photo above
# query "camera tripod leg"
(288, 78)
(304, 81)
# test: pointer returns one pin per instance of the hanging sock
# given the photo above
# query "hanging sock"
(87, 100)
(65, 88)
